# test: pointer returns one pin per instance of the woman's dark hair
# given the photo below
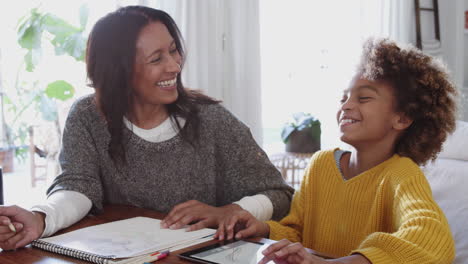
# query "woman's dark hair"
(423, 92)
(110, 59)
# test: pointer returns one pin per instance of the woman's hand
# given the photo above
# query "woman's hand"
(285, 251)
(242, 224)
(29, 226)
(194, 211)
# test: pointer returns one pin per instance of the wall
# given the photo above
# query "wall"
(455, 46)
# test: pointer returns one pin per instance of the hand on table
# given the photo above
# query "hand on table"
(241, 224)
(29, 226)
(194, 211)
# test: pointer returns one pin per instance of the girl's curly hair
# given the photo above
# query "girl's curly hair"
(423, 92)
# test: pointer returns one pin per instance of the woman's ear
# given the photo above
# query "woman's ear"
(402, 122)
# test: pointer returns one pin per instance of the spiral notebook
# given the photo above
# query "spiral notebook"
(120, 241)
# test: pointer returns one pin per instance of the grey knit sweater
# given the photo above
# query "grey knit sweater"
(225, 166)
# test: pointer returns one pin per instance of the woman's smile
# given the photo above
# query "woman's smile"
(167, 84)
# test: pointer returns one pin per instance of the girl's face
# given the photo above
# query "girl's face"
(157, 64)
(367, 114)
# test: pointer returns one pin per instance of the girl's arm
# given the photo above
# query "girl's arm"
(422, 233)
(291, 227)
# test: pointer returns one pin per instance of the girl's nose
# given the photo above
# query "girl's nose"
(347, 105)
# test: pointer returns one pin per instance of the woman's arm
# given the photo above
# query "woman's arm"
(245, 177)
(62, 209)
(80, 155)
(243, 167)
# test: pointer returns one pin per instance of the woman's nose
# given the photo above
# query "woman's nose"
(173, 65)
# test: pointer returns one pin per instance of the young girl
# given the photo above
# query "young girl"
(372, 204)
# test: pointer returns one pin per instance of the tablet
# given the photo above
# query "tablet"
(234, 252)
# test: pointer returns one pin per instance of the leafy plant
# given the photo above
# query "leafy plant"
(66, 38)
(301, 121)
(34, 30)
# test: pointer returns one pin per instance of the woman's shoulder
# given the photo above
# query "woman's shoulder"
(84, 105)
(213, 109)
(216, 113)
(218, 121)
(84, 102)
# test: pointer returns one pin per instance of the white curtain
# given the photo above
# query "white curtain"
(394, 19)
(223, 52)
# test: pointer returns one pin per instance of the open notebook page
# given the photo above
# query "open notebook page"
(127, 238)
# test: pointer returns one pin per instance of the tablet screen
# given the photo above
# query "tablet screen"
(238, 252)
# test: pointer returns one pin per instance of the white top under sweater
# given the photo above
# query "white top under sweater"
(64, 208)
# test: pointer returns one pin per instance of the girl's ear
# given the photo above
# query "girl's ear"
(402, 122)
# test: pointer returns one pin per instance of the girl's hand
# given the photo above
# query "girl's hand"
(18, 227)
(241, 224)
(285, 251)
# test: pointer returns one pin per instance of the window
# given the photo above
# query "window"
(308, 53)
(19, 88)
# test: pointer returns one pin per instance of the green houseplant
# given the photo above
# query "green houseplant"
(35, 30)
(302, 134)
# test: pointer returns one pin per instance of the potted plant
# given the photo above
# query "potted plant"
(302, 134)
(27, 98)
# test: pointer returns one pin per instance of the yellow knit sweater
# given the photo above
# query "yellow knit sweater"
(386, 213)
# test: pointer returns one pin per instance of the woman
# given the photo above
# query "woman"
(143, 139)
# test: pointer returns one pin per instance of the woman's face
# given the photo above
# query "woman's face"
(157, 64)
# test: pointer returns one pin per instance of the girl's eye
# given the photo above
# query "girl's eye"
(174, 50)
(364, 98)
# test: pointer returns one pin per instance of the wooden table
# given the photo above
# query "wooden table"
(31, 255)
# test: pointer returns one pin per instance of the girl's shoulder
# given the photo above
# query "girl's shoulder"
(402, 169)
(325, 154)
(323, 157)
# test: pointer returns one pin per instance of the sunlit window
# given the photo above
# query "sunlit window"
(42, 72)
(308, 53)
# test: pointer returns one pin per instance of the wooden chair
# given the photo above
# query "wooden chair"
(292, 166)
(43, 152)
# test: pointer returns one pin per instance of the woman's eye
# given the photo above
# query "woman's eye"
(155, 60)
(364, 98)
(343, 100)
(174, 50)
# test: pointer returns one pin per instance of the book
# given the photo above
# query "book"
(120, 241)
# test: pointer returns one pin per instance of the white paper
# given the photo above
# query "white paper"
(127, 238)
